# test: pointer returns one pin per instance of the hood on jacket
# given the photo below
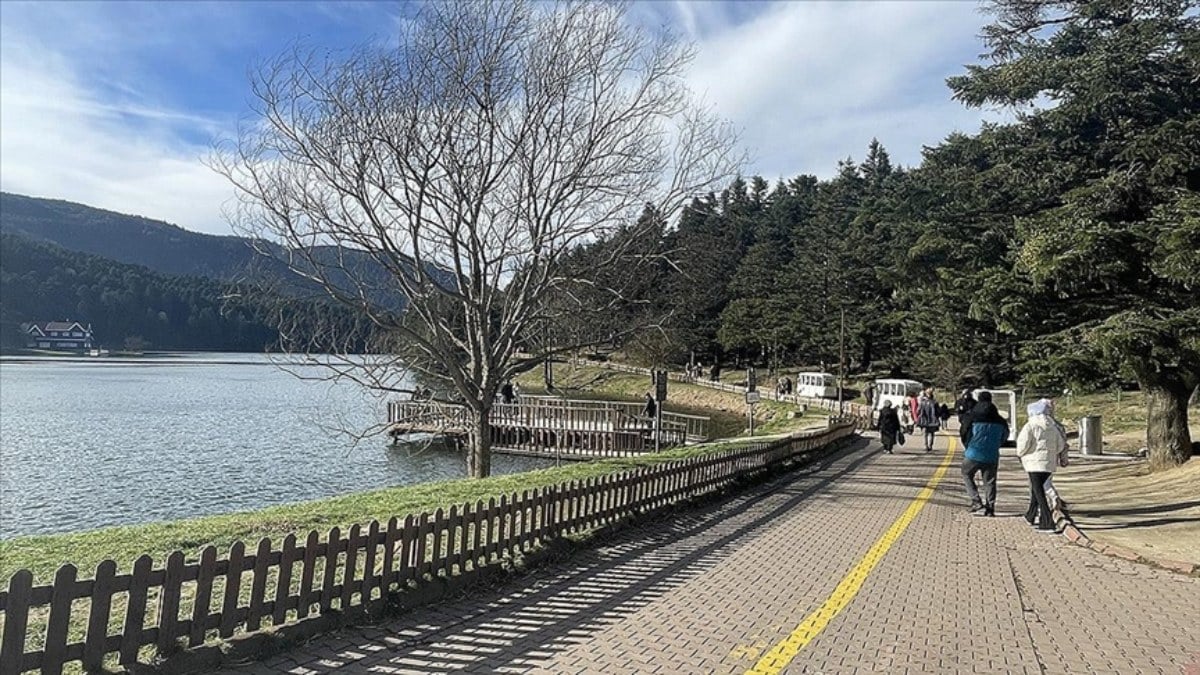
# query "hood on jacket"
(1042, 406)
(985, 411)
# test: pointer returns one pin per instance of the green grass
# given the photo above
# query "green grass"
(726, 410)
(44, 554)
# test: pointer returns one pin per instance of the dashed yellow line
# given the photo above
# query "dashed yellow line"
(782, 654)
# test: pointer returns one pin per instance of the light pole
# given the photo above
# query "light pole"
(841, 361)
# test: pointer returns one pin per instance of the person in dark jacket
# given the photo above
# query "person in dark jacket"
(889, 426)
(963, 406)
(982, 432)
(650, 408)
(927, 418)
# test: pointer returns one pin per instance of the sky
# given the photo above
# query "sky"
(116, 105)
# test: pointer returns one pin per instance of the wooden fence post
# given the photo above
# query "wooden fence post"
(283, 581)
(233, 582)
(168, 602)
(16, 620)
(258, 585)
(204, 588)
(97, 630)
(54, 653)
(135, 609)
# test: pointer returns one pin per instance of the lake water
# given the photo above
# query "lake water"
(96, 442)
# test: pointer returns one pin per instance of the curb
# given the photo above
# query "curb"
(1078, 537)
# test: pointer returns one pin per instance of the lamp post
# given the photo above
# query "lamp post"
(841, 361)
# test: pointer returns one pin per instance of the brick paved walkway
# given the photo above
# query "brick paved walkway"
(711, 590)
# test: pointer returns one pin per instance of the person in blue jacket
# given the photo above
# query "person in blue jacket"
(982, 432)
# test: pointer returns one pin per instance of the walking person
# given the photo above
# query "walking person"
(889, 427)
(963, 406)
(928, 418)
(906, 417)
(913, 405)
(1042, 446)
(982, 432)
(869, 393)
(651, 408)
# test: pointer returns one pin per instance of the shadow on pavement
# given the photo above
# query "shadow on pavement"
(593, 588)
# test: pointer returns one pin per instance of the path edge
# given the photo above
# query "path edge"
(1077, 536)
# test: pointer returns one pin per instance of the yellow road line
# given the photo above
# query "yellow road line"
(782, 654)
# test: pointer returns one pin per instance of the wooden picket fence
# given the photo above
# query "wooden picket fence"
(129, 617)
(844, 409)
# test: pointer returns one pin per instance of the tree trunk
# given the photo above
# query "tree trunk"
(479, 445)
(1167, 437)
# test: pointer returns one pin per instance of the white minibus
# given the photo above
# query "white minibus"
(1005, 401)
(816, 385)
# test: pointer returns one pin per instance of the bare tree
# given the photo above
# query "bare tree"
(438, 187)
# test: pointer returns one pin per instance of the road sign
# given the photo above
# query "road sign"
(660, 385)
(752, 397)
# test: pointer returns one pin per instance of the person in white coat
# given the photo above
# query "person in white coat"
(1042, 445)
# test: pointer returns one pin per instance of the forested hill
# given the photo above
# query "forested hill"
(40, 282)
(155, 244)
(174, 251)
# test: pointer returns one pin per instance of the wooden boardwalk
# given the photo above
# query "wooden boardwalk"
(553, 426)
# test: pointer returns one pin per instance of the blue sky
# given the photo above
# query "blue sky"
(116, 104)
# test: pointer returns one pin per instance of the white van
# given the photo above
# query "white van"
(816, 385)
(895, 391)
(1005, 401)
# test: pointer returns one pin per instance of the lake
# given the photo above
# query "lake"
(88, 443)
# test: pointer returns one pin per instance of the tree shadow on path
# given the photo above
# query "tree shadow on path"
(496, 630)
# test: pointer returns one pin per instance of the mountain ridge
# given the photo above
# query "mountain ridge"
(126, 238)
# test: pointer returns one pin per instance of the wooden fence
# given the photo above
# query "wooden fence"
(555, 427)
(847, 408)
(128, 617)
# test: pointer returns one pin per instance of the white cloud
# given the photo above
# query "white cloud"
(808, 82)
(811, 83)
(61, 139)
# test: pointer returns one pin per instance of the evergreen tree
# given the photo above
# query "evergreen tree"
(1106, 262)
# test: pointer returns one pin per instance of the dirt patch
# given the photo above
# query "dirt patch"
(1122, 502)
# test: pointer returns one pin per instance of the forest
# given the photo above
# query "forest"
(1061, 249)
(130, 306)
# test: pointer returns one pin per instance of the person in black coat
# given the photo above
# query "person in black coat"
(963, 406)
(889, 426)
(650, 408)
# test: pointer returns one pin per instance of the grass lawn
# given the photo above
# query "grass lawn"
(727, 410)
(43, 554)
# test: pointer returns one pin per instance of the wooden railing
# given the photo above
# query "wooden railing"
(847, 408)
(591, 428)
(153, 611)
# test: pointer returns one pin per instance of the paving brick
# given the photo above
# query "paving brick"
(713, 590)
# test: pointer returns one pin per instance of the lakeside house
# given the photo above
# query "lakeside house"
(58, 335)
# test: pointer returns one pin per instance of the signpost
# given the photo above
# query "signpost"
(841, 361)
(659, 380)
(752, 398)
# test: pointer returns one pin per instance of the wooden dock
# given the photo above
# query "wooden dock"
(555, 427)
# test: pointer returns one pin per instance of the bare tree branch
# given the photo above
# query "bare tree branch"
(438, 189)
